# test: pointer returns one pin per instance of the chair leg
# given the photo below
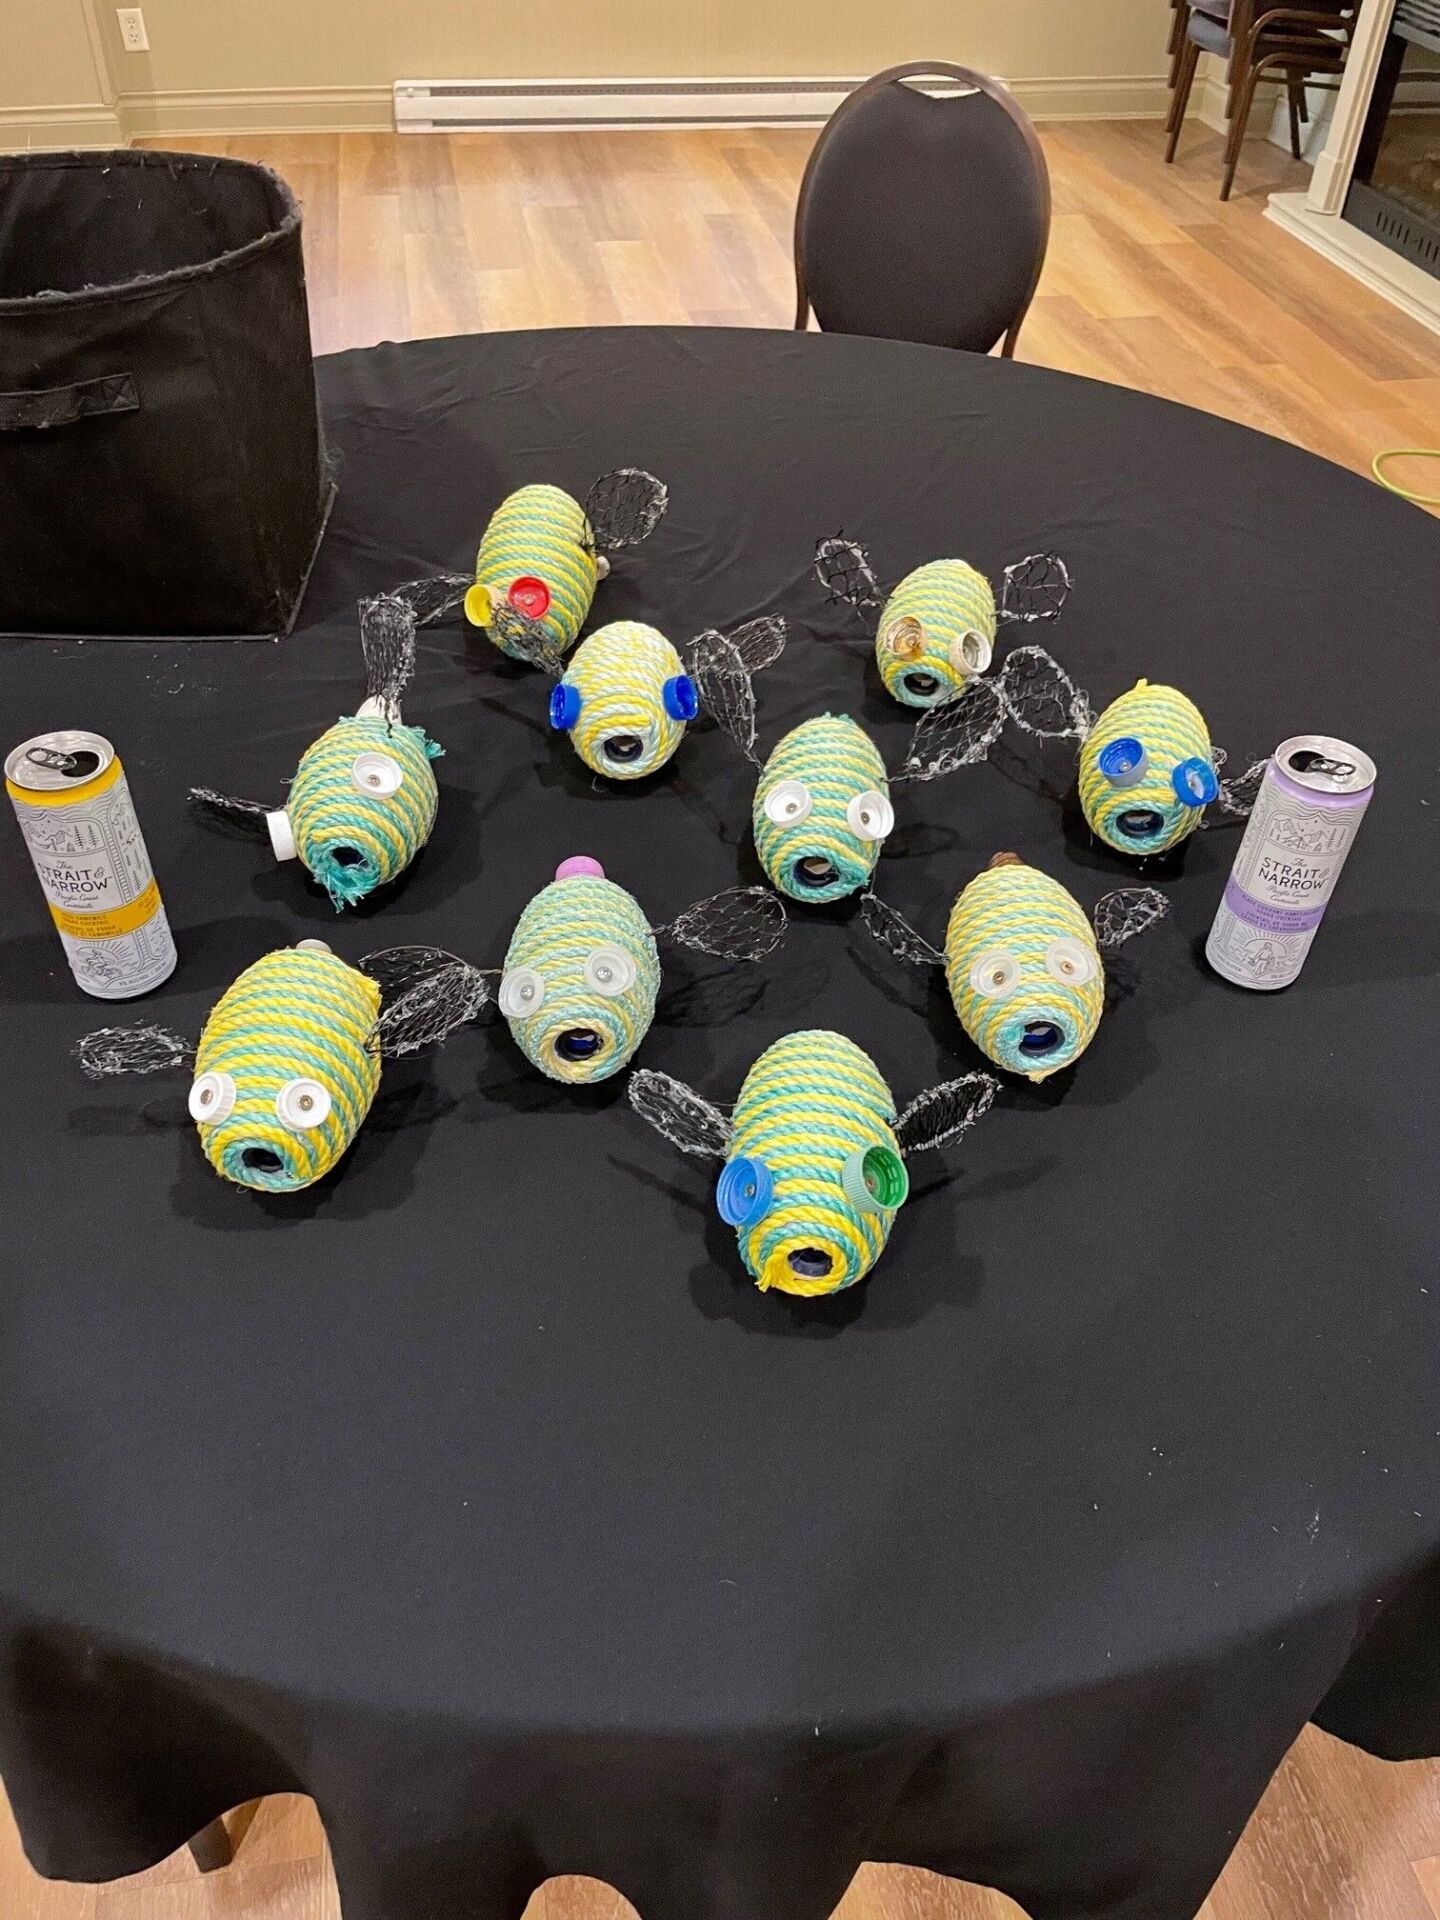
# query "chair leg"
(1239, 121)
(1182, 98)
(1296, 91)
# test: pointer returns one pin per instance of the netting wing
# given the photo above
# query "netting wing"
(110, 1051)
(843, 568)
(892, 930)
(679, 1113)
(387, 639)
(433, 598)
(725, 689)
(743, 923)
(245, 817)
(1239, 795)
(427, 995)
(759, 643)
(529, 639)
(1036, 588)
(941, 1114)
(624, 507)
(1120, 915)
(1041, 698)
(957, 733)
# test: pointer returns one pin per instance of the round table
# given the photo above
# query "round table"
(476, 1490)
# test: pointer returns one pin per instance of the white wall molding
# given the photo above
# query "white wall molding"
(196, 112)
(85, 125)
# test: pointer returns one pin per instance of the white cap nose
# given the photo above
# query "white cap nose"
(282, 840)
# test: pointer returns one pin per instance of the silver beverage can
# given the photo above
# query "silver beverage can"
(1304, 822)
(73, 803)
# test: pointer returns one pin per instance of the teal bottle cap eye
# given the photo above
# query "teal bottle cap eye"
(744, 1192)
(1124, 761)
(1195, 783)
(681, 700)
(564, 706)
(875, 1180)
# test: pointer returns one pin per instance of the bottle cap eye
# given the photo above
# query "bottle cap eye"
(971, 651)
(479, 609)
(995, 974)
(376, 773)
(682, 702)
(1070, 961)
(212, 1098)
(1195, 783)
(904, 638)
(302, 1104)
(609, 970)
(744, 1192)
(522, 992)
(788, 803)
(875, 1180)
(1124, 762)
(579, 866)
(870, 815)
(564, 706)
(529, 596)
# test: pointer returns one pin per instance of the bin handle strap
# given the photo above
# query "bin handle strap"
(61, 406)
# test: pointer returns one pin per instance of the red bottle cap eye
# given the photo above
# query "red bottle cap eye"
(530, 596)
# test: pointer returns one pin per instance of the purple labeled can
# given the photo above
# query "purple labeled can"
(1303, 824)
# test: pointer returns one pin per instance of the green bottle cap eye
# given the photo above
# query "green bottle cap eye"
(875, 1180)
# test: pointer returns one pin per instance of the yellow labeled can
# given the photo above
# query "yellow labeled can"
(73, 803)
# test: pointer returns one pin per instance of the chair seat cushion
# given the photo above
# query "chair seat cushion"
(1210, 34)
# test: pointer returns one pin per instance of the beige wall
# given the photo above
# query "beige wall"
(51, 89)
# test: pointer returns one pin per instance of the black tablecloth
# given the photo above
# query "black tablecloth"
(477, 1491)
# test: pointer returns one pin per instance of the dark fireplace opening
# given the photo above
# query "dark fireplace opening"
(1395, 193)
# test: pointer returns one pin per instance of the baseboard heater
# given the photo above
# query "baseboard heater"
(428, 106)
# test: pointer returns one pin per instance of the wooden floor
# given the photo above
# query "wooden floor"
(1151, 282)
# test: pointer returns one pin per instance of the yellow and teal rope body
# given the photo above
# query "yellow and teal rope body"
(923, 627)
(297, 1014)
(557, 934)
(541, 533)
(1024, 971)
(835, 761)
(619, 673)
(809, 1102)
(1172, 730)
(350, 839)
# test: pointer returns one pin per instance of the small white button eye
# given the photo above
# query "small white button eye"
(870, 815)
(971, 652)
(996, 973)
(302, 1104)
(1070, 961)
(609, 970)
(522, 992)
(376, 773)
(788, 803)
(212, 1097)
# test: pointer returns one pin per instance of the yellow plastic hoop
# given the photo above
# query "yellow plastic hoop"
(1377, 467)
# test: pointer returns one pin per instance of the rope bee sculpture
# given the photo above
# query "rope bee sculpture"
(1147, 767)
(285, 1070)
(1025, 967)
(935, 629)
(625, 697)
(542, 553)
(822, 810)
(363, 799)
(814, 1154)
(582, 971)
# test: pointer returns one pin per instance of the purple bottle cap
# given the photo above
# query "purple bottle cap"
(578, 864)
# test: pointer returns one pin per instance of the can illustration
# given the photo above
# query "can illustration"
(1305, 819)
(73, 803)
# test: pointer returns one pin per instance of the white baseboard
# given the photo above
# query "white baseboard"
(23, 129)
(147, 116)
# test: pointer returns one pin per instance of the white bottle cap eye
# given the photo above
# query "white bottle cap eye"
(301, 1104)
(870, 815)
(996, 973)
(313, 946)
(609, 970)
(376, 773)
(282, 840)
(1070, 961)
(212, 1098)
(788, 803)
(522, 992)
(971, 651)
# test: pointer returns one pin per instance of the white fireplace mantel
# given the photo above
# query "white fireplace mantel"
(1316, 217)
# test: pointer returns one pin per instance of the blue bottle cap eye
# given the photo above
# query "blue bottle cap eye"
(1124, 761)
(744, 1192)
(1195, 783)
(564, 706)
(681, 700)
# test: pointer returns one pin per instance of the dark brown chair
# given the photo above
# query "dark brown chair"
(922, 217)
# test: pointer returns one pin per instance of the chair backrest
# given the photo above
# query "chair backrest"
(923, 217)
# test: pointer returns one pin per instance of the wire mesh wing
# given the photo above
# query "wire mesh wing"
(624, 507)
(1239, 795)
(1120, 915)
(433, 598)
(244, 817)
(1041, 698)
(427, 995)
(1036, 588)
(743, 923)
(892, 930)
(387, 639)
(115, 1050)
(759, 643)
(941, 1114)
(679, 1113)
(843, 568)
(725, 689)
(530, 639)
(956, 733)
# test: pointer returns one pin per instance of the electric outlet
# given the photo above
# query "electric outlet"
(133, 36)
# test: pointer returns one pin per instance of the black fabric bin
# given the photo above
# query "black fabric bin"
(161, 462)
